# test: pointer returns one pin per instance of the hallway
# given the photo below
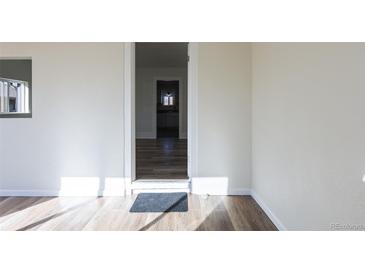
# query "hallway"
(163, 158)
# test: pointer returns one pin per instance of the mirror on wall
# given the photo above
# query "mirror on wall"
(15, 88)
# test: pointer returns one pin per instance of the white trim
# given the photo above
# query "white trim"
(268, 211)
(28, 193)
(154, 102)
(58, 193)
(160, 185)
(163, 190)
(167, 188)
(241, 191)
(162, 181)
(215, 186)
(192, 112)
(129, 114)
(15, 58)
(192, 127)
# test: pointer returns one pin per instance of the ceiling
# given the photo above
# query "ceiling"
(161, 54)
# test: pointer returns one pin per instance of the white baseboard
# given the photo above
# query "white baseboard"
(239, 191)
(57, 193)
(268, 211)
(162, 186)
(183, 184)
(110, 191)
(118, 191)
(163, 190)
(28, 193)
(229, 192)
(215, 186)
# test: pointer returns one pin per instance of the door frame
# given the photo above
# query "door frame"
(154, 117)
(129, 125)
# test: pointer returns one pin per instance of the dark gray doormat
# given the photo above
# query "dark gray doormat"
(160, 202)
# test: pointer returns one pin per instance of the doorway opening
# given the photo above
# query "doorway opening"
(161, 112)
(167, 109)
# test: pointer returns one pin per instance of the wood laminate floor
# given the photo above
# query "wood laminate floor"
(112, 213)
(162, 158)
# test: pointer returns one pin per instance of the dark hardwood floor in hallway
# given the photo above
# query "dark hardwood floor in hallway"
(162, 158)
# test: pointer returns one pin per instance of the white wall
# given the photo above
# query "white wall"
(308, 124)
(76, 133)
(76, 129)
(224, 117)
(308, 132)
(146, 98)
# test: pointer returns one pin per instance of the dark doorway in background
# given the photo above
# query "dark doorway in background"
(167, 109)
(161, 108)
